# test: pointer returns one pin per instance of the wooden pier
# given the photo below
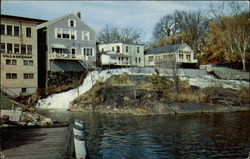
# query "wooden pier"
(34, 143)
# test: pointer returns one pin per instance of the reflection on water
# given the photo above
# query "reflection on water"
(123, 136)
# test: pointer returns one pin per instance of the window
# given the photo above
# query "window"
(73, 52)
(8, 75)
(23, 49)
(16, 30)
(28, 62)
(126, 48)
(25, 62)
(29, 49)
(8, 62)
(11, 76)
(58, 32)
(85, 36)
(9, 48)
(138, 50)
(9, 30)
(113, 49)
(113, 57)
(2, 47)
(139, 60)
(72, 23)
(87, 51)
(150, 58)
(13, 62)
(16, 48)
(118, 49)
(2, 29)
(14, 76)
(180, 56)
(28, 32)
(57, 50)
(188, 57)
(28, 75)
(24, 90)
(66, 33)
(73, 34)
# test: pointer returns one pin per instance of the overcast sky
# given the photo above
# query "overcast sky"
(139, 14)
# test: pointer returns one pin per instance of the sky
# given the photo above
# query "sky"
(142, 15)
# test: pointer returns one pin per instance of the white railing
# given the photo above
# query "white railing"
(62, 56)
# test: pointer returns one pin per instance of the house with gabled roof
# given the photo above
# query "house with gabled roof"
(182, 53)
(121, 54)
(66, 43)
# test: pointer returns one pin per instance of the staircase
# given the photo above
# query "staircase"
(8, 92)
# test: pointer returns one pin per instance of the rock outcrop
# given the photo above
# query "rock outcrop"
(107, 98)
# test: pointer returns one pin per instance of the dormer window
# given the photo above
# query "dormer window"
(72, 23)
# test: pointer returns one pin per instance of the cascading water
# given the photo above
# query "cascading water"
(63, 100)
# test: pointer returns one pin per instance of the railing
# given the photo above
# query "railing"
(62, 56)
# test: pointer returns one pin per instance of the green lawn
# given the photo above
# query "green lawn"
(5, 102)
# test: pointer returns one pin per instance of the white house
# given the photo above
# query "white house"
(122, 54)
(181, 52)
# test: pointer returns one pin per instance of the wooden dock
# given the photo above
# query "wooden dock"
(35, 143)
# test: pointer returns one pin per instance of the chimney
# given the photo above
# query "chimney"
(78, 14)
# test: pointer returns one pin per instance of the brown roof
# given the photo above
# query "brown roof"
(18, 18)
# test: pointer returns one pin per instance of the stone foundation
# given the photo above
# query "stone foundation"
(57, 79)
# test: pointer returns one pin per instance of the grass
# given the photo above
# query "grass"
(121, 80)
(5, 102)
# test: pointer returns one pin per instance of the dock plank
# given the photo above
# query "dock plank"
(38, 143)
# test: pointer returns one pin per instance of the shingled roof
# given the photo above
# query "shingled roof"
(52, 21)
(165, 49)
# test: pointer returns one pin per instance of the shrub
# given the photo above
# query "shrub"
(243, 95)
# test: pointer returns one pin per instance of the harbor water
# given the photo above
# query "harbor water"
(125, 136)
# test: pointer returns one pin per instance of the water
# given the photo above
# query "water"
(124, 136)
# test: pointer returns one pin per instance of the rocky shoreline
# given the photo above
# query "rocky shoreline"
(161, 108)
(23, 116)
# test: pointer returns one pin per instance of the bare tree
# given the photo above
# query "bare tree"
(190, 26)
(165, 27)
(171, 63)
(193, 23)
(223, 8)
(230, 36)
(111, 34)
(241, 36)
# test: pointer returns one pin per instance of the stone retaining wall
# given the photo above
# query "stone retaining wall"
(65, 78)
(226, 73)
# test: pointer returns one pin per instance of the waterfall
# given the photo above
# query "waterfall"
(63, 100)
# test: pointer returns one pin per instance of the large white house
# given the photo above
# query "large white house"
(122, 54)
(182, 53)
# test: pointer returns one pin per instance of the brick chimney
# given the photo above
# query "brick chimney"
(78, 14)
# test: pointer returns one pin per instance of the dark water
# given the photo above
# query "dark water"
(119, 136)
